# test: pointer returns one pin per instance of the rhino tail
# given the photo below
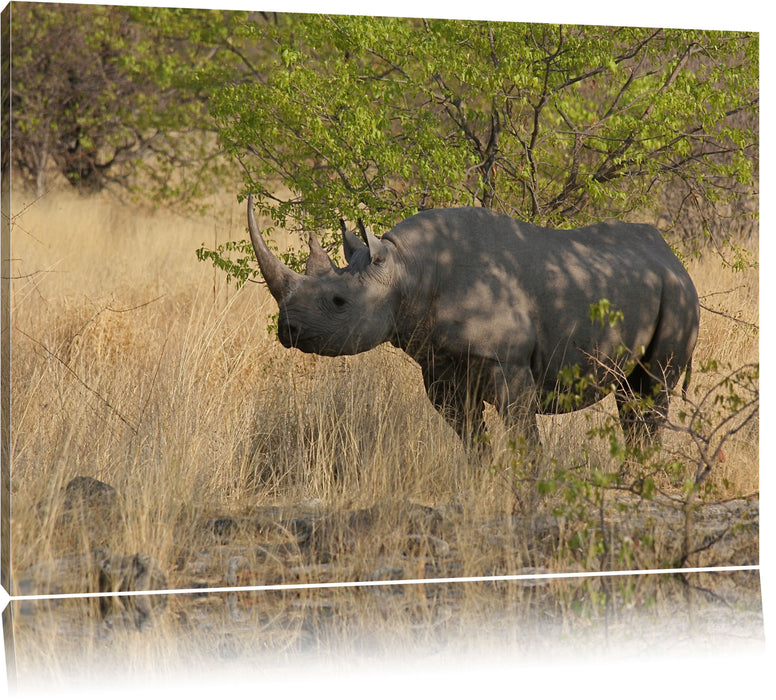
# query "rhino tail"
(687, 378)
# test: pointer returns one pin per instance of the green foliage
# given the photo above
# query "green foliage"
(240, 269)
(380, 117)
(604, 314)
(114, 96)
(375, 118)
(677, 470)
(573, 385)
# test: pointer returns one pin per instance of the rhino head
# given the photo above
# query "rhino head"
(331, 310)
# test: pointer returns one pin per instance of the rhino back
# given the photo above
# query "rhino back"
(491, 286)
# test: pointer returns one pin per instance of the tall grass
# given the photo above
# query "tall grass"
(135, 364)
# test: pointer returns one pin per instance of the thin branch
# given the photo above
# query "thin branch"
(107, 403)
(754, 326)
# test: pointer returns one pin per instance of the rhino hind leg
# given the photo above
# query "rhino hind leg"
(643, 406)
(641, 426)
(644, 409)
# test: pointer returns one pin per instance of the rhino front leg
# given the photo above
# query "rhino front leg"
(516, 402)
(460, 404)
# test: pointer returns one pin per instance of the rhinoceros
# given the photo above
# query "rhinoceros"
(493, 309)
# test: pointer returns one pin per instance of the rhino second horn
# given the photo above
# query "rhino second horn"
(279, 277)
(319, 263)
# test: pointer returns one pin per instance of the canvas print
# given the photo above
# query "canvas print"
(335, 335)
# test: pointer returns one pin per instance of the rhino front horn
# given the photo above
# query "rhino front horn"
(279, 277)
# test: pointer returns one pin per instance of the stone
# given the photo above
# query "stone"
(123, 574)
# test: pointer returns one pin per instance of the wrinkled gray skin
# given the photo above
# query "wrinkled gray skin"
(492, 308)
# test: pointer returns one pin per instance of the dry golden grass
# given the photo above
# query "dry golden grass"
(735, 343)
(135, 364)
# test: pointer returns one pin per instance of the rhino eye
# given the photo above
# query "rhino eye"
(338, 301)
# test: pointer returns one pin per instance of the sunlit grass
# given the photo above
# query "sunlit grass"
(136, 365)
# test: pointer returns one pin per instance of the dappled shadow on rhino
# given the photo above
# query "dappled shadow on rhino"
(493, 310)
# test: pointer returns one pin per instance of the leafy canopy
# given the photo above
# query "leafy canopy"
(116, 97)
(376, 118)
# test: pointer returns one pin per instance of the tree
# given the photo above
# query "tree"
(113, 96)
(376, 118)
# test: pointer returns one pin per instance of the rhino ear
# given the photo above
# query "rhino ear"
(350, 242)
(362, 229)
(377, 249)
(319, 264)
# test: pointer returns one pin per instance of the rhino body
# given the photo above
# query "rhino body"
(492, 309)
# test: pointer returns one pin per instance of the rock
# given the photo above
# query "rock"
(538, 571)
(71, 573)
(90, 507)
(236, 565)
(311, 507)
(387, 573)
(426, 545)
(122, 574)
(86, 492)
(301, 529)
(99, 571)
(223, 529)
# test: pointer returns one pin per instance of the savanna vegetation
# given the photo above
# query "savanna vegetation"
(136, 364)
